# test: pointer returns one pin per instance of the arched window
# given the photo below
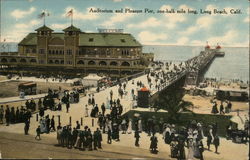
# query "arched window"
(32, 61)
(113, 63)
(50, 61)
(53, 52)
(125, 64)
(13, 60)
(102, 63)
(91, 63)
(56, 51)
(23, 61)
(4, 60)
(56, 61)
(80, 62)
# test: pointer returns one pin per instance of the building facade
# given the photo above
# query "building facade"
(73, 51)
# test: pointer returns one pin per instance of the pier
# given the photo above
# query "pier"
(198, 65)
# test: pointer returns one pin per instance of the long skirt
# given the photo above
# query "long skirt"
(139, 126)
(190, 155)
(129, 130)
(196, 151)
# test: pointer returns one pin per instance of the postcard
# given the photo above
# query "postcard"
(124, 79)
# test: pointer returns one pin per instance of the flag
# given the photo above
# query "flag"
(42, 15)
(70, 13)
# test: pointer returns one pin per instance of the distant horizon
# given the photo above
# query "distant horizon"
(180, 45)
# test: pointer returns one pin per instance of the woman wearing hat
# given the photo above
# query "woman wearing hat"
(195, 143)
(200, 131)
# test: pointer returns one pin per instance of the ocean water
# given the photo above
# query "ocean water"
(234, 65)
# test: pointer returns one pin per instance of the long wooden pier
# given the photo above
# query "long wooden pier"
(197, 66)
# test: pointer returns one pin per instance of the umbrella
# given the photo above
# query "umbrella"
(239, 121)
(137, 115)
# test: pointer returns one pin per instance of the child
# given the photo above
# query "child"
(38, 132)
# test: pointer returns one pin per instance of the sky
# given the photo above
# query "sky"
(20, 17)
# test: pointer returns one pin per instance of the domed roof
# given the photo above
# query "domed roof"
(207, 46)
(218, 46)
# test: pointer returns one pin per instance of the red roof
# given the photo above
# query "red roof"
(218, 47)
(207, 46)
(144, 89)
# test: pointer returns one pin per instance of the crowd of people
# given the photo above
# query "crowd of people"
(113, 123)
(223, 110)
(14, 115)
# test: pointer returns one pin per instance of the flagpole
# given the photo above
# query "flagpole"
(44, 20)
(72, 18)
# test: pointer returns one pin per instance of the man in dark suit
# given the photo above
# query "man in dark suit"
(7, 115)
(137, 137)
(26, 127)
(109, 136)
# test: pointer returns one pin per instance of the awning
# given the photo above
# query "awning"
(144, 89)
(239, 121)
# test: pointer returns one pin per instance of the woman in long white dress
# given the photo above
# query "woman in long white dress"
(200, 131)
(129, 130)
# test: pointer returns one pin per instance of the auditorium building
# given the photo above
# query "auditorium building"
(71, 52)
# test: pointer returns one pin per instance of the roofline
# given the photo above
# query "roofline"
(109, 46)
(84, 33)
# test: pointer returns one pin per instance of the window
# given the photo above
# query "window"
(69, 62)
(41, 61)
(27, 50)
(41, 51)
(33, 50)
(69, 51)
(49, 51)
(32, 61)
(60, 52)
(91, 39)
(125, 52)
(56, 61)
(123, 40)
